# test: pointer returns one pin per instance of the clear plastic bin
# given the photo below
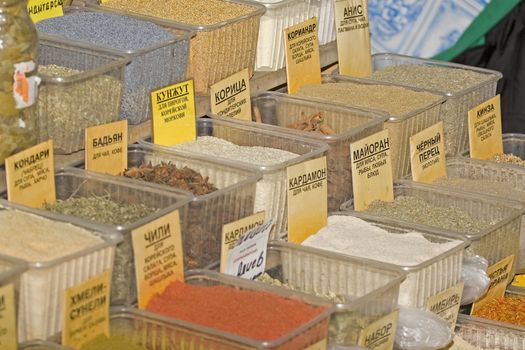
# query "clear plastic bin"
(487, 334)
(496, 242)
(512, 143)
(310, 333)
(271, 194)
(43, 285)
(72, 182)
(370, 289)
(10, 271)
(68, 104)
(472, 169)
(454, 112)
(41, 345)
(206, 214)
(217, 50)
(425, 279)
(279, 16)
(401, 128)
(151, 68)
(278, 110)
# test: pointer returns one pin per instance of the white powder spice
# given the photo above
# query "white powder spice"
(353, 236)
(32, 238)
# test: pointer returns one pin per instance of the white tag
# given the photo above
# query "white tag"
(248, 258)
(25, 89)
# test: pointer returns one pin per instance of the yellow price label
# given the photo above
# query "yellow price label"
(107, 148)
(40, 10)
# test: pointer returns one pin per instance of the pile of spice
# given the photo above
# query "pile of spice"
(396, 101)
(417, 210)
(508, 158)
(201, 12)
(65, 110)
(314, 123)
(501, 189)
(101, 209)
(41, 239)
(509, 309)
(266, 278)
(269, 190)
(443, 80)
(256, 315)
(355, 237)
(167, 173)
(113, 343)
(125, 34)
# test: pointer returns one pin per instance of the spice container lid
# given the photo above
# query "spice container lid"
(382, 60)
(335, 78)
(179, 35)
(392, 276)
(181, 197)
(118, 60)
(259, 10)
(206, 277)
(110, 237)
(372, 117)
(205, 127)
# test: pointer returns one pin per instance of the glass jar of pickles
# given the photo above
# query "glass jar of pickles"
(18, 78)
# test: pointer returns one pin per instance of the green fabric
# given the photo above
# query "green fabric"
(474, 35)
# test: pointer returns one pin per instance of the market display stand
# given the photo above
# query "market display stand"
(261, 81)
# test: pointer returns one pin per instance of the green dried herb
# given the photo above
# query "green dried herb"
(101, 209)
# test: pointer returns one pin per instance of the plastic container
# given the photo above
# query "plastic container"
(326, 20)
(271, 194)
(70, 103)
(455, 110)
(43, 285)
(280, 15)
(496, 242)
(41, 345)
(72, 182)
(10, 272)
(508, 175)
(308, 334)
(370, 289)
(512, 143)
(150, 68)
(217, 50)
(278, 110)
(425, 279)
(206, 214)
(487, 334)
(401, 127)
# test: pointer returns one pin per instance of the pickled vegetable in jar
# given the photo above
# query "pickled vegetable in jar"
(18, 78)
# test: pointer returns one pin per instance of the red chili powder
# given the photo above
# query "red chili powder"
(253, 314)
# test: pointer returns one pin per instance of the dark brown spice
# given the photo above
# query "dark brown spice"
(168, 174)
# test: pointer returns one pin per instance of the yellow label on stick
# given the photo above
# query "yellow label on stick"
(8, 340)
(30, 176)
(86, 311)
(107, 148)
(484, 127)
(320, 345)
(353, 37)
(307, 198)
(446, 304)
(174, 114)
(499, 274)
(44, 9)
(230, 97)
(372, 170)
(303, 64)
(380, 334)
(427, 154)
(233, 231)
(157, 248)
